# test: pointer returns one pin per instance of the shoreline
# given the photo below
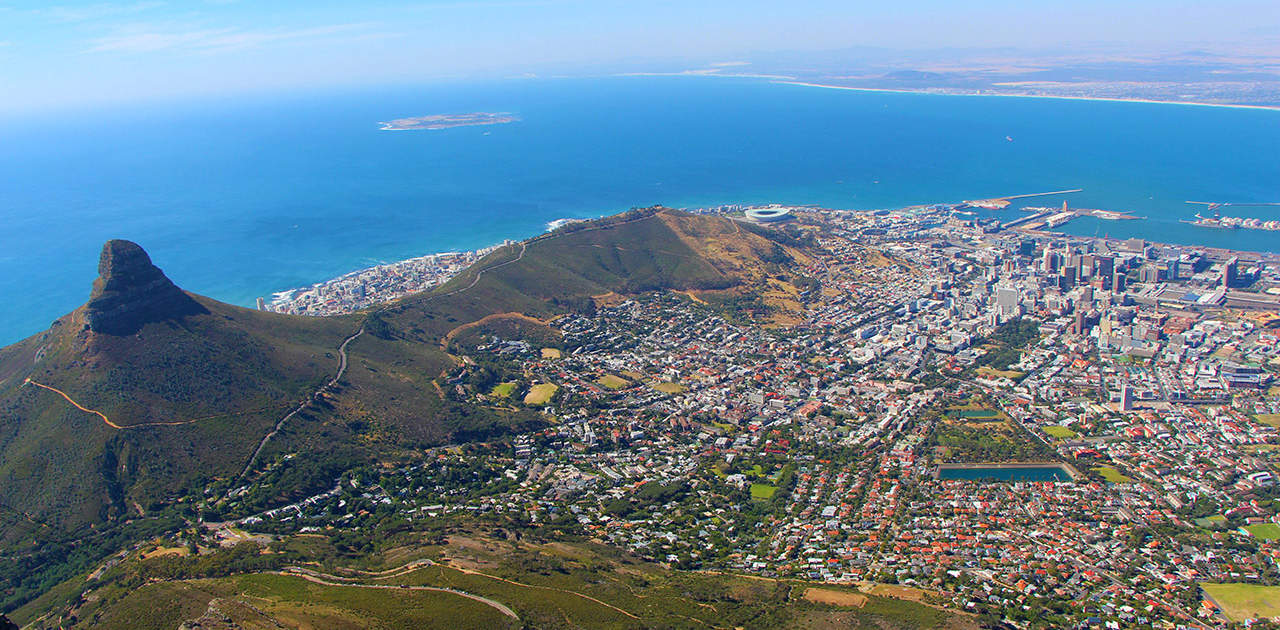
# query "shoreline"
(384, 282)
(1272, 108)
(284, 297)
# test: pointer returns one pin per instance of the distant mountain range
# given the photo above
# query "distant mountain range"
(1196, 76)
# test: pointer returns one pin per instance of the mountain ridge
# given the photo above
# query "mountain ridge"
(193, 385)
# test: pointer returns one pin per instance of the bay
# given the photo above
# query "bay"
(241, 197)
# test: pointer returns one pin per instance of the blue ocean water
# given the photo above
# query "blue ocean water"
(239, 198)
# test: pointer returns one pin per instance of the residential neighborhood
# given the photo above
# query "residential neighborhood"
(1013, 423)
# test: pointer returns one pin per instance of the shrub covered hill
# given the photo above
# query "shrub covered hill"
(148, 394)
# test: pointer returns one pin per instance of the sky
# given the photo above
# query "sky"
(67, 54)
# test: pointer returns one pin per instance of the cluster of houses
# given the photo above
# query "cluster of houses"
(374, 285)
(810, 451)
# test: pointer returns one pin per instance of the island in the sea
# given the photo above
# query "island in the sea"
(446, 121)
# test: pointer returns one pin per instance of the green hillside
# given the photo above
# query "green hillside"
(461, 576)
(127, 412)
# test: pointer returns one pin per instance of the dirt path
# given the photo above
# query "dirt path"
(379, 575)
(320, 578)
(524, 246)
(545, 588)
(141, 425)
(449, 336)
(418, 564)
(342, 369)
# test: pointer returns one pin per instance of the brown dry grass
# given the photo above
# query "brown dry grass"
(166, 551)
(834, 598)
(899, 592)
(444, 343)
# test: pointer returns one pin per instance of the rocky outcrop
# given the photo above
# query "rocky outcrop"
(131, 292)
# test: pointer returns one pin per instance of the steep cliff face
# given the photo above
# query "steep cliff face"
(131, 292)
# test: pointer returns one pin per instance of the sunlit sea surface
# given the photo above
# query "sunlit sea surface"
(241, 198)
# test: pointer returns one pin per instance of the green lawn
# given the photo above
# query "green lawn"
(1211, 521)
(669, 388)
(1245, 601)
(1264, 531)
(1269, 419)
(610, 381)
(1009, 374)
(540, 394)
(1060, 432)
(1111, 474)
(762, 491)
(503, 390)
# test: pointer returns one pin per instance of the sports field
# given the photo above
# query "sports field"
(1060, 432)
(609, 381)
(1264, 531)
(540, 394)
(1245, 601)
(1111, 474)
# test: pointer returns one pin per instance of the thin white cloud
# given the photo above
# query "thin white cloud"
(94, 12)
(217, 40)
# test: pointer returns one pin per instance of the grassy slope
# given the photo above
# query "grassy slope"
(549, 585)
(261, 601)
(67, 466)
(390, 382)
(63, 469)
(667, 250)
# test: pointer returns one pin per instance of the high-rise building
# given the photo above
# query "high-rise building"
(1080, 324)
(1126, 398)
(1050, 261)
(1229, 271)
(1007, 299)
(1069, 276)
(1103, 266)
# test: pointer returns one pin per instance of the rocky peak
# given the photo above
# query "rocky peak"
(130, 292)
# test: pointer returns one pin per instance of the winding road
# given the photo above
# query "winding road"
(342, 369)
(331, 580)
(335, 580)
